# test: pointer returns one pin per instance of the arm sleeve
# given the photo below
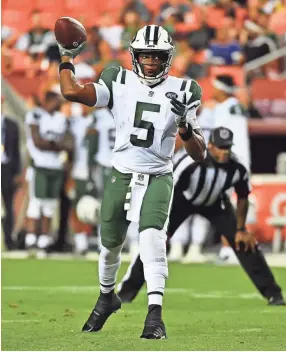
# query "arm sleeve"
(104, 92)
(242, 186)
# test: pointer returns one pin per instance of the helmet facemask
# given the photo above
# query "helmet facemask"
(163, 48)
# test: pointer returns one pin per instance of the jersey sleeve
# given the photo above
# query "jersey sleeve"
(242, 186)
(103, 88)
(194, 96)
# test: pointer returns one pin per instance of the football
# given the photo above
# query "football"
(69, 32)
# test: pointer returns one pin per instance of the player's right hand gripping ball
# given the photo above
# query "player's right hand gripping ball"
(71, 36)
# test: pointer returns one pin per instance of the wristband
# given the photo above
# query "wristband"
(186, 136)
(67, 66)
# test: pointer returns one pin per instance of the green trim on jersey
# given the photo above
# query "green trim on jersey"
(197, 92)
(108, 76)
(238, 110)
(123, 77)
(183, 86)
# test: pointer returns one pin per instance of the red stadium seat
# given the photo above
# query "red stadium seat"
(234, 71)
(260, 89)
(20, 61)
(86, 18)
(51, 6)
(154, 5)
(48, 19)
(15, 19)
(92, 6)
(113, 5)
(206, 86)
(214, 16)
(20, 5)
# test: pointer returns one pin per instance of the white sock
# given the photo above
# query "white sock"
(43, 241)
(200, 229)
(132, 237)
(108, 265)
(226, 251)
(181, 236)
(153, 256)
(81, 242)
(30, 239)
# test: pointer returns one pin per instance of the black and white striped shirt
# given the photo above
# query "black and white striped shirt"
(205, 182)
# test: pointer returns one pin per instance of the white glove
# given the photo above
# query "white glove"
(71, 52)
(181, 109)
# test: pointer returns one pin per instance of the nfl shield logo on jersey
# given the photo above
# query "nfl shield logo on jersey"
(151, 93)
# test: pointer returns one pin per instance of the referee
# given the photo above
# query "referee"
(200, 188)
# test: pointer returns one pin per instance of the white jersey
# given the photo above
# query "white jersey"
(51, 128)
(105, 127)
(145, 124)
(78, 127)
(229, 114)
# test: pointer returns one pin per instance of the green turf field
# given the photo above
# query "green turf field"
(45, 303)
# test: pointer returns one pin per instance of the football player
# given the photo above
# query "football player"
(81, 182)
(47, 143)
(149, 108)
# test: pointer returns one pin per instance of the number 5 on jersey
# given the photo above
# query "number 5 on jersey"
(147, 125)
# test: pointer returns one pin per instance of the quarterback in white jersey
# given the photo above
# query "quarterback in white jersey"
(149, 108)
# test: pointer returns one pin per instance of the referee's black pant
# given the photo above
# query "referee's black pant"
(222, 216)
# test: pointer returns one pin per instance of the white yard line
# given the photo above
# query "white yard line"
(189, 292)
(273, 259)
(20, 321)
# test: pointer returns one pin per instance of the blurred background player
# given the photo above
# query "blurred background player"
(47, 131)
(105, 126)
(10, 174)
(80, 180)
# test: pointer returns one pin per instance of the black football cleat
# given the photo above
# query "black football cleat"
(105, 306)
(154, 329)
(276, 300)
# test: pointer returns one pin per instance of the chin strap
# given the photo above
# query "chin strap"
(152, 84)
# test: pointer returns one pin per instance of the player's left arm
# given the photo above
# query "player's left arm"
(195, 145)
